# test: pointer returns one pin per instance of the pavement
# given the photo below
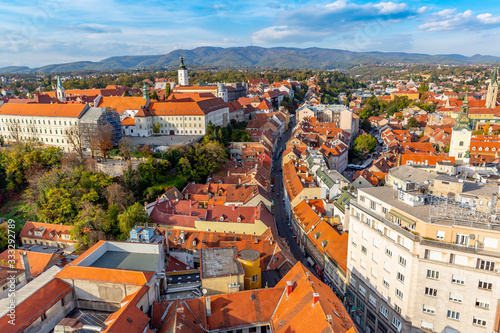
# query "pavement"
(166, 140)
(280, 217)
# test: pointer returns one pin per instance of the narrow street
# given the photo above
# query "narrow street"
(278, 195)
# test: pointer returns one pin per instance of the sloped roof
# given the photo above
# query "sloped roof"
(108, 275)
(44, 110)
(38, 261)
(120, 104)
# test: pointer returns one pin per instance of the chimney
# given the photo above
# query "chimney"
(239, 180)
(256, 240)
(208, 308)
(289, 288)
(315, 298)
(25, 265)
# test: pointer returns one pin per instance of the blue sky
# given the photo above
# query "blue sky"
(37, 33)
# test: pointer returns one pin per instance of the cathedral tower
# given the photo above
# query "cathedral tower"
(491, 95)
(461, 134)
(60, 92)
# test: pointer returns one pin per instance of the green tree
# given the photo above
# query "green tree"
(134, 214)
(366, 125)
(364, 144)
(412, 123)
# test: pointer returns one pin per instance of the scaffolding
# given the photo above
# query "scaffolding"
(448, 211)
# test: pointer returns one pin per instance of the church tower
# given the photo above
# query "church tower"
(60, 92)
(491, 95)
(222, 92)
(182, 74)
(461, 134)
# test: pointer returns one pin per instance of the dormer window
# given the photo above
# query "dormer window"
(238, 219)
(486, 149)
(222, 218)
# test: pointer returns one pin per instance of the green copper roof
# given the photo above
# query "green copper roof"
(59, 83)
(144, 91)
(463, 121)
(494, 77)
(325, 178)
(467, 154)
(343, 200)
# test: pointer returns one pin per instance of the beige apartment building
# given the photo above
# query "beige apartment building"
(415, 264)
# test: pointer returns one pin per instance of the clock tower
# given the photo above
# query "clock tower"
(182, 74)
(461, 134)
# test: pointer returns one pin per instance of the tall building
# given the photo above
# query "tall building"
(461, 134)
(418, 263)
(182, 74)
(60, 93)
(491, 95)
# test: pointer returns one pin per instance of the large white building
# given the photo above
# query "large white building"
(339, 114)
(181, 117)
(420, 267)
(48, 123)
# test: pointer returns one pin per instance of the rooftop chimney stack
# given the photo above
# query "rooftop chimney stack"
(26, 265)
(289, 288)
(208, 307)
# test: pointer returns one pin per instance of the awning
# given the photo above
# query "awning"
(310, 261)
(404, 219)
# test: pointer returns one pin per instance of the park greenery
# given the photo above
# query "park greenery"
(41, 183)
(364, 144)
(374, 106)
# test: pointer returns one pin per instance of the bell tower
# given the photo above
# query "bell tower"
(60, 92)
(491, 95)
(182, 74)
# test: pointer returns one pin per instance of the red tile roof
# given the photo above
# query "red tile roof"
(32, 308)
(98, 274)
(38, 261)
(52, 232)
(43, 110)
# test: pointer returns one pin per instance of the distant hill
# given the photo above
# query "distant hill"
(254, 56)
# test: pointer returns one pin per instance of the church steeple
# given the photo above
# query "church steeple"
(144, 91)
(182, 74)
(491, 95)
(60, 92)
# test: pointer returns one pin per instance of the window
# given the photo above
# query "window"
(255, 278)
(461, 143)
(479, 322)
(397, 308)
(373, 205)
(374, 257)
(455, 297)
(402, 261)
(453, 315)
(401, 277)
(462, 239)
(376, 242)
(458, 279)
(362, 198)
(490, 242)
(374, 272)
(384, 210)
(363, 249)
(430, 292)
(372, 300)
(353, 242)
(384, 311)
(353, 282)
(482, 304)
(485, 285)
(485, 265)
(396, 323)
(386, 283)
(432, 274)
(388, 252)
(387, 266)
(44, 316)
(428, 309)
(399, 293)
(362, 291)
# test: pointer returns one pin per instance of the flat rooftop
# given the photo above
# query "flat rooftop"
(143, 262)
(220, 261)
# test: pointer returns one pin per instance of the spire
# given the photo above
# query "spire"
(59, 83)
(144, 91)
(181, 66)
(494, 77)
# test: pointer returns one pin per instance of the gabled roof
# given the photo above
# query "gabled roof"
(50, 231)
(297, 311)
(106, 275)
(32, 308)
(44, 110)
(38, 261)
(120, 104)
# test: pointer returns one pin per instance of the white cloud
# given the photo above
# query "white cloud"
(447, 20)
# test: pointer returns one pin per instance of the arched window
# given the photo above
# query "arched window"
(461, 143)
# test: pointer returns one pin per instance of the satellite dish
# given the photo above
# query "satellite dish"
(472, 236)
(204, 291)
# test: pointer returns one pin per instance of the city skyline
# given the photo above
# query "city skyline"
(62, 31)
